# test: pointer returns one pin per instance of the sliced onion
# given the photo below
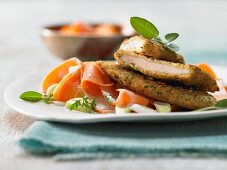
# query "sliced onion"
(122, 110)
(58, 103)
(141, 109)
(162, 107)
(50, 90)
(74, 69)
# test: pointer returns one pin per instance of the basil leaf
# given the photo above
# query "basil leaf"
(144, 27)
(221, 103)
(171, 37)
(31, 96)
(174, 47)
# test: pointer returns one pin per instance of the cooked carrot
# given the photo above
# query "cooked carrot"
(127, 97)
(106, 29)
(68, 88)
(64, 28)
(207, 69)
(56, 75)
(226, 88)
(76, 28)
(82, 28)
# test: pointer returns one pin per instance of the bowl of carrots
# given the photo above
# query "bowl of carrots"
(87, 42)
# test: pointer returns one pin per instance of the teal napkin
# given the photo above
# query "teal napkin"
(127, 140)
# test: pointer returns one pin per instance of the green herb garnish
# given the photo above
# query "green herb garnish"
(221, 103)
(81, 104)
(171, 37)
(108, 97)
(144, 27)
(48, 99)
(148, 30)
(33, 96)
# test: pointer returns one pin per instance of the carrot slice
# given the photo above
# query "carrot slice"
(69, 87)
(106, 29)
(56, 75)
(76, 28)
(127, 97)
(207, 69)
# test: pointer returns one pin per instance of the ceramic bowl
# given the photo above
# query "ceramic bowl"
(84, 47)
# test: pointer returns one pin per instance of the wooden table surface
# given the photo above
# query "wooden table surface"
(21, 52)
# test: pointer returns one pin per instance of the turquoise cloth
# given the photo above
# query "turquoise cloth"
(126, 140)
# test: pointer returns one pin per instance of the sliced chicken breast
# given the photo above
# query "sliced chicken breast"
(189, 75)
(152, 49)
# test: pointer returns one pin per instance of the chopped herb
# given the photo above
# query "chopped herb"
(48, 99)
(126, 77)
(81, 104)
(108, 97)
(146, 86)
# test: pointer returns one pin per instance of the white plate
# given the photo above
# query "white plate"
(42, 111)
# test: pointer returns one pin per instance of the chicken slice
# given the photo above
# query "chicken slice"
(186, 74)
(150, 48)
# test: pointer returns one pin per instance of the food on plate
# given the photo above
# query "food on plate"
(222, 93)
(187, 74)
(187, 98)
(207, 69)
(56, 75)
(148, 76)
(127, 97)
(81, 28)
(151, 49)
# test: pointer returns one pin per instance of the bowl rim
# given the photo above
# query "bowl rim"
(48, 31)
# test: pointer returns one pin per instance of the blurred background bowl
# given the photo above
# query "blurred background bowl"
(83, 46)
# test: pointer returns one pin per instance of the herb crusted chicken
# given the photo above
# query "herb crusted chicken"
(151, 49)
(187, 98)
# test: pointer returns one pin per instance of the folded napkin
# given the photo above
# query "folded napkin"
(126, 140)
